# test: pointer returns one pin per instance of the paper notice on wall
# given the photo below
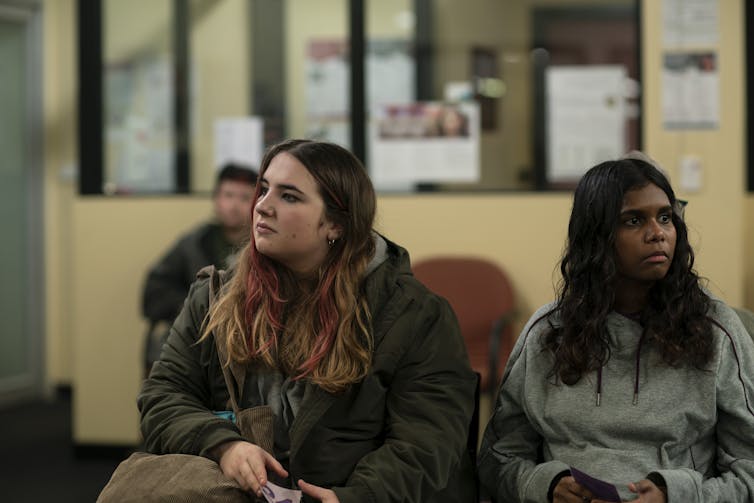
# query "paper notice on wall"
(690, 90)
(239, 140)
(424, 142)
(586, 118)
(690, 23)
(390, 71)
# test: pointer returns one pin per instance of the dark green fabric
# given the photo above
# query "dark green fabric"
(169, 280)
(400, 435)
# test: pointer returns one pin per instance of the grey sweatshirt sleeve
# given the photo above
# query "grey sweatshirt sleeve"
(735, 425)
(508, 467)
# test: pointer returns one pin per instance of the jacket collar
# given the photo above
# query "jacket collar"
(387, 301)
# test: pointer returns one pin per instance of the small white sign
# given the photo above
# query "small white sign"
(690, 23)
(239, 140)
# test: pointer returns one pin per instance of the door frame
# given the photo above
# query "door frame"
(31, 384)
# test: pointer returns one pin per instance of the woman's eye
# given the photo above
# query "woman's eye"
(290, 198)
(263, 191)
(665, 219)
(632, 221)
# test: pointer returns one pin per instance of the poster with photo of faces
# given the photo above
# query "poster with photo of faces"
(690, 90)
(424, 142)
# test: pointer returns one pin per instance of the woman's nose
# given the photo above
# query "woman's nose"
(655, 231)
(262, 207)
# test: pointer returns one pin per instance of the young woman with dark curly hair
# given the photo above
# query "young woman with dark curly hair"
(635, 375)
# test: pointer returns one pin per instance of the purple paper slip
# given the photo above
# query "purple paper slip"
(276, 494)
(599, 488)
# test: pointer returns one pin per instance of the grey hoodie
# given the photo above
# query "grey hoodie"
(694, 428)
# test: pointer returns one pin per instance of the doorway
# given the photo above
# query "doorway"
(21, 183)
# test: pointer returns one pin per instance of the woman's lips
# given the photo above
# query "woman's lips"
(657, 258)
(264, 229)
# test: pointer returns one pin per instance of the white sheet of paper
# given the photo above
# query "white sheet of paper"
(691, 90)
(586, 118)
(690, 23)
(239, 139)
(276, 494)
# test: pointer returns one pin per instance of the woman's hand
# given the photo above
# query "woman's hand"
(319, 493)
(648, 492)
(247, 464)
(569, 491)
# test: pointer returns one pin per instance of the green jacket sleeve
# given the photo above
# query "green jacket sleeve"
(166, 285)
(175, 400)
(429, 406)
(734, 431)
(508, 467)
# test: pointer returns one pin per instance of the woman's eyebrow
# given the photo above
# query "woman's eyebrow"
(283, 186)
(640, 211)
(287, 186)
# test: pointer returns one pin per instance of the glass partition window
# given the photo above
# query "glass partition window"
(479, 95)
(543, 89)
(138, 96)
(219, 90)
(317, 70)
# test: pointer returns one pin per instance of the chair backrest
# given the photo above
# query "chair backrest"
(480, 294)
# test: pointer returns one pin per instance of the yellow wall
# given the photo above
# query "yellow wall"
(748, 252)
(60, 154)
(114, 241)
(716, 213)
(97, 248)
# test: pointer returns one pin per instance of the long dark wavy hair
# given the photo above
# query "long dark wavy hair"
(675, 316)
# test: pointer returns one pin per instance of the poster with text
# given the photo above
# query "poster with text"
(586, 118)
(690, 90)
(390, 73)
(690, 23)
(424, 142)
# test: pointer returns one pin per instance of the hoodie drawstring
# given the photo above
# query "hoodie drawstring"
(599, 386)
(636, 379)
(636, 376)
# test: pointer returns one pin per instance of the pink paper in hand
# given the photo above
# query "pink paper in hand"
(599, 488)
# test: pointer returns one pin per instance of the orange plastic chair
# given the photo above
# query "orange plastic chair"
(482, 297)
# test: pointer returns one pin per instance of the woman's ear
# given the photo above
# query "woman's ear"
(334, 231)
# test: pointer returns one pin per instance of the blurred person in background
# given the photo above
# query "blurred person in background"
(211, 243)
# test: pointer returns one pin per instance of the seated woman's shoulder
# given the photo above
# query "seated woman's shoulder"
(544, 318)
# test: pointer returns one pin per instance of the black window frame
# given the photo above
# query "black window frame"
(267, 101)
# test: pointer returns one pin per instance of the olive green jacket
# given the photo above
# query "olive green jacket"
(399, 435)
